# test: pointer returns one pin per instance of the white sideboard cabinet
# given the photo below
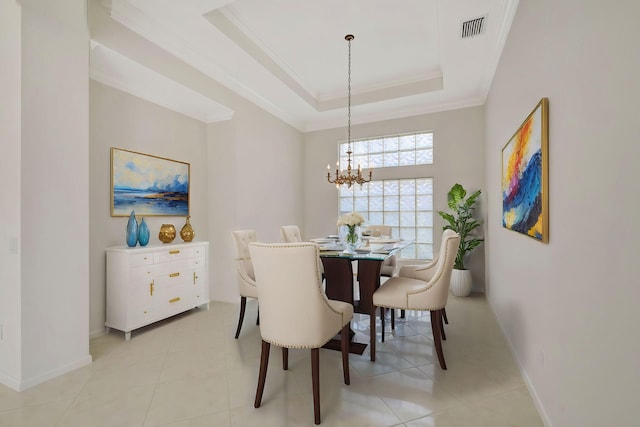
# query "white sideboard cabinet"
(151, 283)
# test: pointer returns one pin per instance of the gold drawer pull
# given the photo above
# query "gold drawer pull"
(195, 277)
(176, 299)
(174, 275)
(174, 252)
(151, 288)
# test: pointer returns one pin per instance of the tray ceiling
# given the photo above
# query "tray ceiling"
(290, 57)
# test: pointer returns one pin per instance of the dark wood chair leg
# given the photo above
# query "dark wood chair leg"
(315, 381)
(285, 358)
(402, 314)
(436, 319)
(243, 306)
(258, 317)
(393, 319)
(442, 334)
(372, 334)
(382, 323)
(344, 346)
(444, 316)
(264, 361)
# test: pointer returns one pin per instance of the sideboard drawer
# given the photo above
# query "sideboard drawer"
(169, 268)
(168, 255)
(136, 260)
(172, 301)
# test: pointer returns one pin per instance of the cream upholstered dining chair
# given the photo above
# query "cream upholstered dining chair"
(425, 271)
(295, 312)
(428, 290)
(389, 265)
(246, 278)
(290, 234)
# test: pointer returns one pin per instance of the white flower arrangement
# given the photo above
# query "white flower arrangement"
(351, 219)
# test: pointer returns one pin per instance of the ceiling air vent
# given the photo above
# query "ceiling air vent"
(473, 27)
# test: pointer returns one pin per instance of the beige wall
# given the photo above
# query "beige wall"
(10, 137)
(123, 121)
(48, 299)
(243, 175)
(255, 165)
(458, 154)
(568, 307)
(250, 161)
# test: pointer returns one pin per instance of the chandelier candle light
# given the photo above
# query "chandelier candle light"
(348, 178)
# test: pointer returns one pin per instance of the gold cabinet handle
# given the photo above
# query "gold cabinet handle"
(176, 299)
(174, 252)
(195, 277)
(151, 288)
(174, 275)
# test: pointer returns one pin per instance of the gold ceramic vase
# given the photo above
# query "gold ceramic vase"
(167, 233)
(187, 232)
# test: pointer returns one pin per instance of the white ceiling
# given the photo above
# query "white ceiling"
(290, 56)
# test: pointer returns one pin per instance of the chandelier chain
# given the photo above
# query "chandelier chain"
(349, 99)
(348, 178)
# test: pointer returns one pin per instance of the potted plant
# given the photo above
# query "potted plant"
(461, 221)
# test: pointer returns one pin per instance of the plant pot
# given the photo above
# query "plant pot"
(460, 283)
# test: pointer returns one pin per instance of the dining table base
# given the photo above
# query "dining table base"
(354, 347)
(339, 282)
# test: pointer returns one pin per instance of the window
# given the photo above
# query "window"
(403, 201)
(404, 204)
(390, 151)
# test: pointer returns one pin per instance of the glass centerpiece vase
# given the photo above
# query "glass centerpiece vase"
(349, 226)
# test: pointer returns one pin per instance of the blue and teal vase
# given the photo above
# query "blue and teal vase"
(132, 230)
(143, 233)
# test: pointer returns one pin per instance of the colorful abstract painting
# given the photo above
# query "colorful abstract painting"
(148, 185)
(525, 176)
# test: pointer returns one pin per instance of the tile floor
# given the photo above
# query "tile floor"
(189, 371)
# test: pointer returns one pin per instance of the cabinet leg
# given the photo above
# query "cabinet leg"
(127, 336)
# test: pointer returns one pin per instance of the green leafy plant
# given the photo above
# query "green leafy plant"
(461, 221)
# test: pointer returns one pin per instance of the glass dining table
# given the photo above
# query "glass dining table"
(339, 285)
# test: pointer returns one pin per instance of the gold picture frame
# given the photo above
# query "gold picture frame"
(525, 176)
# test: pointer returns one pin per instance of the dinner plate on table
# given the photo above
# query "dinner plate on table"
(332, 247)
(382, 240)
(323, 241)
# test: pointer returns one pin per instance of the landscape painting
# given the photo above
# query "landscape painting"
(525, 167)
(148, 185)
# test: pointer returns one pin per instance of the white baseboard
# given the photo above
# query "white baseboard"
(39, 379)
(523, 372)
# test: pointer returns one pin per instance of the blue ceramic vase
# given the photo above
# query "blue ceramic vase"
(132, 230)
(143, 233)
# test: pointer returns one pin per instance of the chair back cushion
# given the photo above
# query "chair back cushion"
(379, 230)
(246, 276)
(242, 239)
(290, 234)
(437, 290)
(294, 310)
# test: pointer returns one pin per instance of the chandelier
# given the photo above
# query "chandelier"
(347, 178)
